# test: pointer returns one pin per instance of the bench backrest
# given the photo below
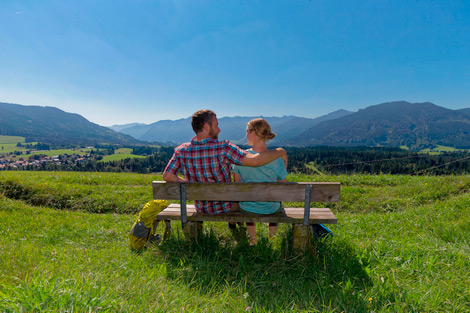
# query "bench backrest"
(320, 191)
(305, 191)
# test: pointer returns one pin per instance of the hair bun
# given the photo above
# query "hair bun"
(261, 128)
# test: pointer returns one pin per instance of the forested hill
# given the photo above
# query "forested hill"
(52, 125)
(392, 124)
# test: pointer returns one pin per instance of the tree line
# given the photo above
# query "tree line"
(340, 160)
(311, 160)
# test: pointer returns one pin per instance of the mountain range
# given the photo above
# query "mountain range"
(391, 124)
(232, 128)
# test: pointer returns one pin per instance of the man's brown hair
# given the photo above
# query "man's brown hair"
(200, 118)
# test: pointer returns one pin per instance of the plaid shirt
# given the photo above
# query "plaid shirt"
(206, 160)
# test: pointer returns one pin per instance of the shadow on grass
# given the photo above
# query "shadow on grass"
(272, 279)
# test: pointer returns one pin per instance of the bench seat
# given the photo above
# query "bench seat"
(292, 215)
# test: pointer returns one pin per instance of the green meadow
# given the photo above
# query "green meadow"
(123, 151)
(8, 144)
(440, 149)
(11, 139)
(121, 156)
(402, 244)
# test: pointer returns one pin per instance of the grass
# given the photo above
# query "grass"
(402, 244)
(90, 192)
(123, 151)
(11, 139)
(121, 156)
(8, 144)
(440, 149)
(10, 148)
(313, 168)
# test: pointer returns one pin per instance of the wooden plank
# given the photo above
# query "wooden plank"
(293, 215)
(175, 207)
(191, 207)
(321, 191)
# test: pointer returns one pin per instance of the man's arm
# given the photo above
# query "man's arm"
(167, 176)
(172, 168)
(264, 157)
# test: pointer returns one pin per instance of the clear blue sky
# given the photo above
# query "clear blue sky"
(117, 62)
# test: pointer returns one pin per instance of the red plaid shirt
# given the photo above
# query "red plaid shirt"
(206, 160)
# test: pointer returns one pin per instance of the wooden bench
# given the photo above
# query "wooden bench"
(301, 218)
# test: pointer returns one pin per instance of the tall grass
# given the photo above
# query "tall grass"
(401, 245)
(91, 192)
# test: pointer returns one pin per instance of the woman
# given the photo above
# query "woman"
(258, 132)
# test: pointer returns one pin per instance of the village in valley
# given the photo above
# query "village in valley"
(36, 161)
(15, 153)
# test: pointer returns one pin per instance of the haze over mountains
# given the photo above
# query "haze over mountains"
(392, 124)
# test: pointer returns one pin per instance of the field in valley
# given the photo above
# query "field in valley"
(402, 244)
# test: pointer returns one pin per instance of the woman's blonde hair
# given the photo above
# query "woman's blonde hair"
(261, 128)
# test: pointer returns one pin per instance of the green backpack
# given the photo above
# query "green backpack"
(143, 230)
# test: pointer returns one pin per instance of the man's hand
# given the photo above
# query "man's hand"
(172, 177)
(284, 157)
(264, 157)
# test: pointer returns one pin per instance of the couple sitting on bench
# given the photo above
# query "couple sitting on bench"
(206, 159)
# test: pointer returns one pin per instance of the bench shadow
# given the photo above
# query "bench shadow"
(276, 279)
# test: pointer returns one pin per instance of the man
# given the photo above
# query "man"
(206, 159)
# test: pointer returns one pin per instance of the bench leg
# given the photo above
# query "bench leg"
(192, 230)
(301, 237)
(167, 232)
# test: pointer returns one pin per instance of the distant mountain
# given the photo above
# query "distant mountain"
(393, 124)
(51, 125)
(232, 128)
(118, 128)
(465, 111)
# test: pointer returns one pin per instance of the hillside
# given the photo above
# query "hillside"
(402, 244)
(52, 125)
(392, 124)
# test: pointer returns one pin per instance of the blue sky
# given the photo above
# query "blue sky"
(117, 62)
